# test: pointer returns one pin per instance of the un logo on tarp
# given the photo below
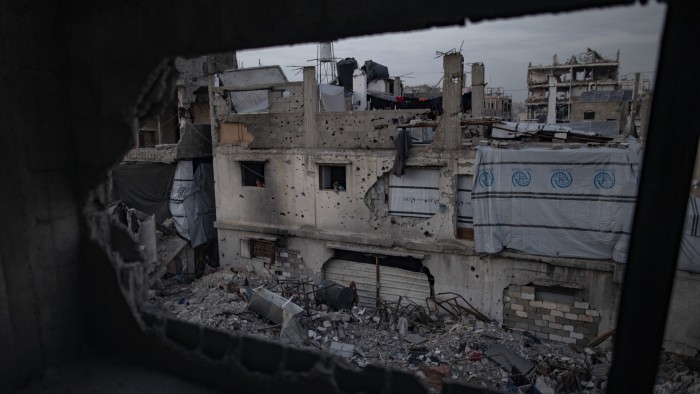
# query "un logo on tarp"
(562, 180)
(486, 178)
(521, 178)
(604, 180)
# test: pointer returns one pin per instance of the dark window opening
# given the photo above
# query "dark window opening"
(557, 294)
(147, 138)
(332, 178)
(589, 115)
(253, 173)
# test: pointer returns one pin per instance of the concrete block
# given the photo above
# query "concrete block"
(582, 305)
(536, 304)
(261, 356)
(515, 288)
(555, 326)
(522, 325)
(548, 318)
(563, 308)
(555, 337)
(541, 323)
(183, 333)
(571, 316)
(567, 327)
(528, 296)
(506, 306)
(528, 289)
(578, 311)
(506, 299)
(516, 307)
(576, 335)
(557, 313)
(592, 312)
(549, 330)
(568, 340)
(549, 305)
(513, 293)
(521, 314)
(585, 318)
(534, 316)
(542, 335)
(217, 344)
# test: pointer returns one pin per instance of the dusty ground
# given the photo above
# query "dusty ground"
(397, 336)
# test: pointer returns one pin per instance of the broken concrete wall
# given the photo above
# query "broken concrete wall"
(602, 110)
(361, 130)
(264, 131)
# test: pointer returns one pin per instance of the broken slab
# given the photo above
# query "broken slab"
(271, 305)
(509, 360)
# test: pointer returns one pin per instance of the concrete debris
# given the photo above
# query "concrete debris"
(344, 350)
(429, 345)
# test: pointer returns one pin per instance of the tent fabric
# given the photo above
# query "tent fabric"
(465, 211)
(145, 187)
(568, 203)
(345, 69)
(182, 186)
(416, 193)
(251, 102)
(403, 145)
(375, 71)
(192, 202)
(200, 206)
(332, 98)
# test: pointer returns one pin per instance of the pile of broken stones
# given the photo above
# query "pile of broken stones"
(433, 347)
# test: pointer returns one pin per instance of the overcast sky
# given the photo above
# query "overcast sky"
(505, 47)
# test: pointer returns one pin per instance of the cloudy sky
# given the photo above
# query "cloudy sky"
(505, 46)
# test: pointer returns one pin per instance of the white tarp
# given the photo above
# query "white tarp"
(465, 211)
(567, 203)
(332, 98)
(416, 193)
(182, 186)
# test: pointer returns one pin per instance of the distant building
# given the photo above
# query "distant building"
(585, 91)
(498, 104)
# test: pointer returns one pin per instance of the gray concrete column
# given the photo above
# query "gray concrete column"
(552, 100)
(398, 91)
(310, 107)
(452, 86)
(478, 90)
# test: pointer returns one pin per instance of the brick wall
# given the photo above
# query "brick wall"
(290, 265)
(573, 323)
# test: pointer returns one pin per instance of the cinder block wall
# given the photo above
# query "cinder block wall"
(573, 323)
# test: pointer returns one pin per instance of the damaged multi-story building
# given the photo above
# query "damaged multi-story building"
(163, 189)
(531, 232)
(587, 93)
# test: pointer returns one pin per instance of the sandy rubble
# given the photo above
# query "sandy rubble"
(431, 346)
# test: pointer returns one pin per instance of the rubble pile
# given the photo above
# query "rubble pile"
(400, 334)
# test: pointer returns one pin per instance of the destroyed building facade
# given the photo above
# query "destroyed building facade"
(584, 91)
(339, 201)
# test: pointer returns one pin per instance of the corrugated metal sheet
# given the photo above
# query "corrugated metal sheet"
(394, 282)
